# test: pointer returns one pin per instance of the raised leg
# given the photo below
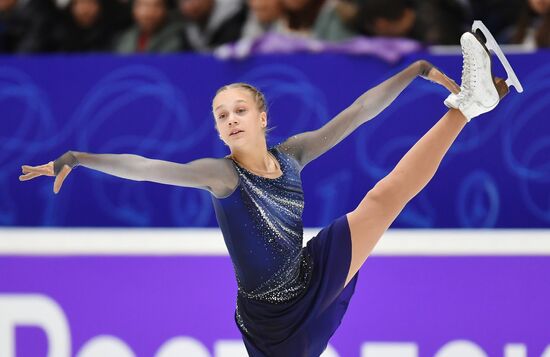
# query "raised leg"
(388, 197)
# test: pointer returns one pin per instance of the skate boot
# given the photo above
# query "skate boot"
(478, 92)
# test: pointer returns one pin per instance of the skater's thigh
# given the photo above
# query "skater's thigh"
(367, 224)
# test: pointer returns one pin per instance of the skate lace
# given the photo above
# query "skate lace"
(469, 75)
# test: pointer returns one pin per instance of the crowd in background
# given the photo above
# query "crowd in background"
(163, 26)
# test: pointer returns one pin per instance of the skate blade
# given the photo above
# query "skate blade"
(492, 45)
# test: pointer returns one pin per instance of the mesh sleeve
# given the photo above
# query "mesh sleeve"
(307, 146)
(217, 176)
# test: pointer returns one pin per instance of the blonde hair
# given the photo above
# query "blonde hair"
(258, 96)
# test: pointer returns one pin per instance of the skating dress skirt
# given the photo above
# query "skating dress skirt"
(290, 298)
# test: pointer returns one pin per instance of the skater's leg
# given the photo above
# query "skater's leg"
(384, 202)
(479, 93)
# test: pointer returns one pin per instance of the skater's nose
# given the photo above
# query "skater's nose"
(233, 121)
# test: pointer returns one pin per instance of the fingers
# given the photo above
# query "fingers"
(27, 170)
(452, 86)
(31, 172)
(439, 77)
(29, 176)
(28, 167)
(46, 169)
(60, 178)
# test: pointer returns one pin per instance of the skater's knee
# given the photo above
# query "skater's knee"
(385, 196)
(392, 187)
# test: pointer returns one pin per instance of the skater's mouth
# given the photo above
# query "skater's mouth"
(235, 132)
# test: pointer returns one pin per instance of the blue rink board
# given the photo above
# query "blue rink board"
(496, 175)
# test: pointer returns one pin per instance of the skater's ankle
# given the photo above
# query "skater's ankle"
(502, 87)
(459, 115)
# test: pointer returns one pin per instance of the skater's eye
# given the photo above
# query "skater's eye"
(222, 116)
(241, 110)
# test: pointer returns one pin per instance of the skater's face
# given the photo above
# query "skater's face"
(541, 7)
(238, 118)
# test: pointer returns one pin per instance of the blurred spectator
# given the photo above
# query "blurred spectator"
(533, 26)
(150, 25)
(429, 21)
(497, 15)
(25, 25)
(335, 20)
(118, 14)
(320, 19)
(210, 23)
(84, 27)
(262, 15)
(154, 30)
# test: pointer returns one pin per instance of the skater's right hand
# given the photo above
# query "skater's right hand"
(436, 76)
(59, 168)
(432, 73)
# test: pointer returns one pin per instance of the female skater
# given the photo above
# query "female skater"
(291, 299)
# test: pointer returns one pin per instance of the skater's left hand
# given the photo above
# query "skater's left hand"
(436, 76)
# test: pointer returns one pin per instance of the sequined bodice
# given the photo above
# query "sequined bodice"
(261, 222)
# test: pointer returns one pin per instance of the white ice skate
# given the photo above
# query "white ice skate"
(480, 92)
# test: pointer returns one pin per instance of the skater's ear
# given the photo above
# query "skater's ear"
(263, 119)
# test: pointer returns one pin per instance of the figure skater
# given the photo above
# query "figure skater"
(291, 299)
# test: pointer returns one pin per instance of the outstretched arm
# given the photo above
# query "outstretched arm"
(307, 146)
(205, 173)
(215, 175)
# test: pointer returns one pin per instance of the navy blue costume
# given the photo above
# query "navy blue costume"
(290, 299)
